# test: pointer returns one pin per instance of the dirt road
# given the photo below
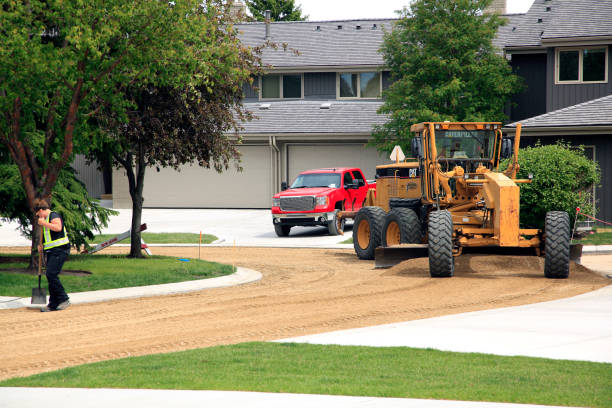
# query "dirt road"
(303, 291)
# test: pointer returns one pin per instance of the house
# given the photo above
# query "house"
(562, 50)
(315, 108)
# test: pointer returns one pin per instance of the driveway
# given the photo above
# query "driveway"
(232, 227)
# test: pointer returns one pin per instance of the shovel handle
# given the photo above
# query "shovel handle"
(40, 240)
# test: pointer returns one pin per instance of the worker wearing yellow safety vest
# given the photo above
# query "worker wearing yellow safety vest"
(56, 249)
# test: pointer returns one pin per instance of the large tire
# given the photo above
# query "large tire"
(335, 226)
(282, 230)
(402, 226)
(367, 230)
(412, 203)
(557, 245)
(441, 260)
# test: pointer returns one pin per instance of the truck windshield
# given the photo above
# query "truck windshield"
(317, 180)
(465, 144)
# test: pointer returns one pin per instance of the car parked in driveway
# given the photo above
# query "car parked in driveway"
(316, 197)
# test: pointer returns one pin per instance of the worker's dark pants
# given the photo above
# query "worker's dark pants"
(55, 261)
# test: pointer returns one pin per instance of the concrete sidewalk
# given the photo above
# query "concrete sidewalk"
(118, 398)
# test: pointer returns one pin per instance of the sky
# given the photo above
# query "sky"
(356, 9)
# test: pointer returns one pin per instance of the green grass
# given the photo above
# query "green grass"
(161, 238)
(348, 241)
(598, 238)
(112, 271)
(346, 370)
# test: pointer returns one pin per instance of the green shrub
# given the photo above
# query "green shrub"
(563, 179)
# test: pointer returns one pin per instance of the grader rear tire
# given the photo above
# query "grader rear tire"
(441, 260)
(367, 231)
(402, 226)
(557, 245)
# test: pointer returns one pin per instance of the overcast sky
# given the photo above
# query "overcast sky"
(352, 9)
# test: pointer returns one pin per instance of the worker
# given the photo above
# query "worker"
(56, 249)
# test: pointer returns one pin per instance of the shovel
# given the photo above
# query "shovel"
(39, 295)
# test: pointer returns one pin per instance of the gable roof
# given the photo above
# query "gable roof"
(555, 20)
(320, 43)
(596, 112)
(301, 117)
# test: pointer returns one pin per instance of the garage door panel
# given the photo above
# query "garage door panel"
(306, 157)
(197, 187)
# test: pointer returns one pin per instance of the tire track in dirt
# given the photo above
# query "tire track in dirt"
(303, 291)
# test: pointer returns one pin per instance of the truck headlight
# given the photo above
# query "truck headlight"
(322, 201)
(276, 202)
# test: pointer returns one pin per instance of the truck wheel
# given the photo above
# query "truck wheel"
(402, 226)
(282, 230)
(441, 261)
(367, 230)
(335, 226)
(556, 245)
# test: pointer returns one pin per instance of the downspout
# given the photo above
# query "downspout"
(275, 163)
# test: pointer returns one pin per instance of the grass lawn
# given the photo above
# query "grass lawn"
(599, 237)
(347, 370)
(161, 238)
(111, 271)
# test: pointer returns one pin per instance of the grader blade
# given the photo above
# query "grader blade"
(386, 257)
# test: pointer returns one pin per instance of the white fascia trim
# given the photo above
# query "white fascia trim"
(327, 68)
(561, 130)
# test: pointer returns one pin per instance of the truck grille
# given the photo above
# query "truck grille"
(302, 203)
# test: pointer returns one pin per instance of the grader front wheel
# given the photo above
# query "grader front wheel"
(367, 231)
(557, 245)
(441, 260)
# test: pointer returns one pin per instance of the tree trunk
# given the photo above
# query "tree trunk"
(136, 185)
(36, 235)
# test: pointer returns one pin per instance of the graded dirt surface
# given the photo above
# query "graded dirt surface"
(303, 291)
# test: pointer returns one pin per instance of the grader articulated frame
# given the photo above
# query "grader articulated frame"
(453, 196)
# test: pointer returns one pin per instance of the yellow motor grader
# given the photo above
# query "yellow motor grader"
(452, 196)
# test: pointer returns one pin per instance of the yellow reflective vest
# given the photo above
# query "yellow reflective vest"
(48, 243)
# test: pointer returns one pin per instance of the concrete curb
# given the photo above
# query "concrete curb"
(240, 277)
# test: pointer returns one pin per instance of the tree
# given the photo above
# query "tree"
(81, 213)
(171, 127)
(443, 67)
(62, 62)
(280, 10)
(563, 179)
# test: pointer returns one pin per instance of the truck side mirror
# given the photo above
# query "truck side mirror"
(506, 148)
(284, 186)
(417, 147)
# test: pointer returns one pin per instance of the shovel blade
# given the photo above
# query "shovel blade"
(39, 296)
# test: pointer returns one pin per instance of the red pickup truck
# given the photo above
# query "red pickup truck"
(316, 196)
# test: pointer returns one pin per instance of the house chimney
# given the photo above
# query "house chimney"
(238, 10)
(267, 14)
(497, 6)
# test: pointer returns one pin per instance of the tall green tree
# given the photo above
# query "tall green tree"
(443, 67)
(280, 10)
(63, 62)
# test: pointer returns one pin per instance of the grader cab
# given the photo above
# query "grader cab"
(450, 196)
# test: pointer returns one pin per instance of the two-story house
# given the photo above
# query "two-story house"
(313, 108)
(562, 50)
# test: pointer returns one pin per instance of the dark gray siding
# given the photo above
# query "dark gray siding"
(603, 155)
(320, 85)
(90, 176)
(532, 101)
(561, 96)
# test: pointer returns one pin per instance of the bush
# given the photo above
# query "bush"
(563, 179)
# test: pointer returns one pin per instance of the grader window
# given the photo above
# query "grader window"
(465, 144)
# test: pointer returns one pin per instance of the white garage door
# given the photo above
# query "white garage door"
(196, 187)
(306, 157)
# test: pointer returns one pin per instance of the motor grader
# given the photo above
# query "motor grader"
(452, 196)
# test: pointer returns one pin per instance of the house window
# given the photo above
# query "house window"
(359, 85)
(582, 65)
(281, 86)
